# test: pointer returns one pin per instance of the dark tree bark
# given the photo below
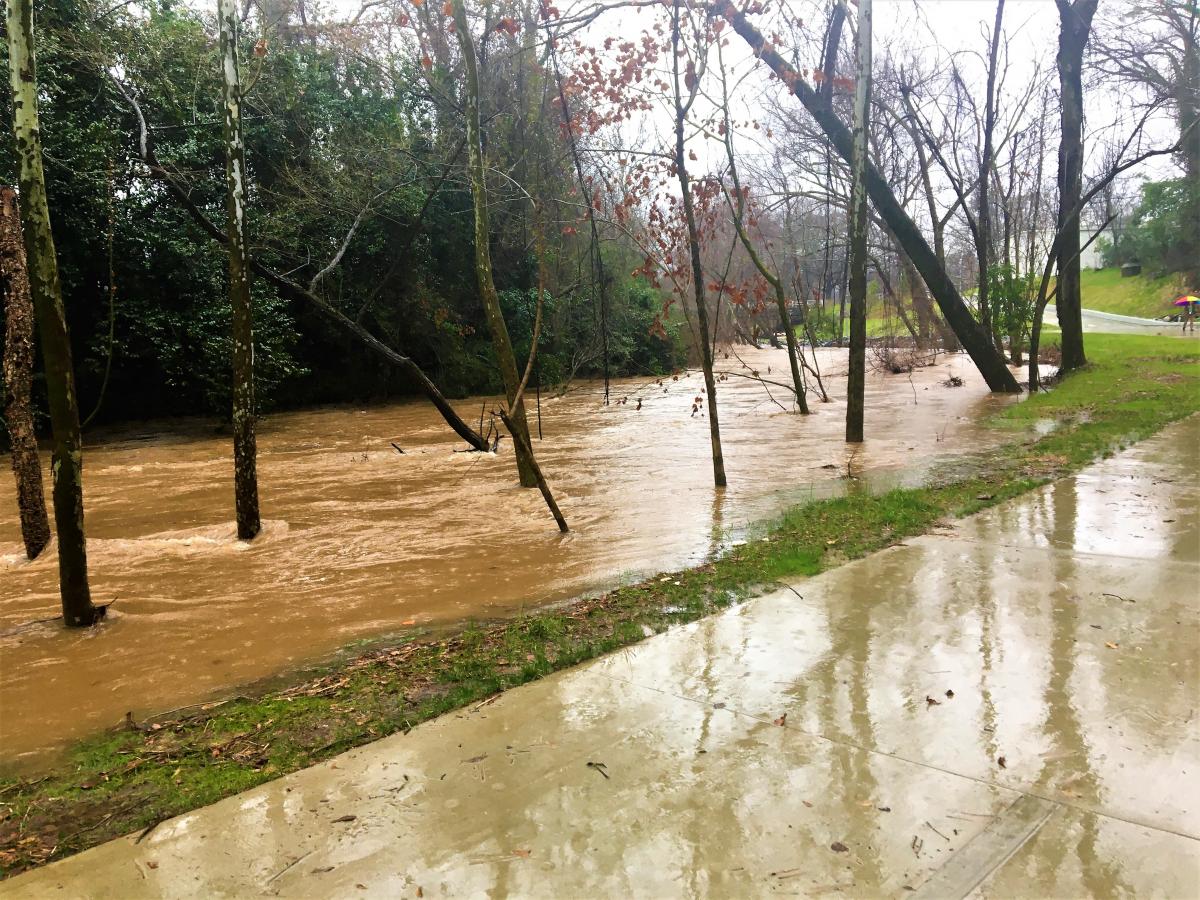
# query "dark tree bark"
(860, 225)
(589, 196)
(67, 460)
(245, 474)
(689, 215)
(737, 206)
(501, 342)
(974, 339)
(983, 231)
(1075, 25)
(18, 377)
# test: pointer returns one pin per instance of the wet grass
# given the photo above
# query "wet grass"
(1140, 295)
(121, 781)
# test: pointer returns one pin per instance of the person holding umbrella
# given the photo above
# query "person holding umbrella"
(1189, 303)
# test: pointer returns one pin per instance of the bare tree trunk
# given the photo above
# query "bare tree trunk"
(483, 257)
(886, 282)
(689, 214)
(983, 231)
(67, 461)
(737, 206)
(245, 475)
(974, 339)
(1187, 103)
(922, 305)
(860, 225)
(1075, 17)
(18, 377)
(589, 196)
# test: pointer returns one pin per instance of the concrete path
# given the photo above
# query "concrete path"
(1004, 708)
(1113, 323)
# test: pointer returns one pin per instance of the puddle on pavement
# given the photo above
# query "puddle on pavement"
(361, 541)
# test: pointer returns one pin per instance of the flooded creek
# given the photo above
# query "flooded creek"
(361, 541)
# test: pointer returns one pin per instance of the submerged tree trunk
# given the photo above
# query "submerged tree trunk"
(18, 377)
(67, 461)
(483, 257)
(737, 206)
(976, 341)
(1075, 24)
(245, 475)
(689, 215)
(859, 226)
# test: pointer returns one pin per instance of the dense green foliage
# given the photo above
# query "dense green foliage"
(1012, 296)
(1163, 233)
(329, 132)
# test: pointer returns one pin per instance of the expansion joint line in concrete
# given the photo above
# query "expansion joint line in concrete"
(1025, 791)
(990, 849)
(1058, 551)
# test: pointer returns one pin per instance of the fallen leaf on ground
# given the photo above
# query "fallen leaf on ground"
(151, 865)
(782, 720)
(839, 847)
(1111, 645)
(929, 701)
(1002, 762)
(524, 854)
(346, 818)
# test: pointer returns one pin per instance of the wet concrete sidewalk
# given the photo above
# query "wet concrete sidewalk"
(1004, 708)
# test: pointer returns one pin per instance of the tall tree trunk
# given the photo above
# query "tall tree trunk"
(689, 215)
(737, 206)
(983, 231)
(860, 225)
(1187, 104)
(67, 461)
(501, 343)
(590, 197)
(974, 339)
(245, 475)
(18, 377)
(1075, 25)
(922, 306)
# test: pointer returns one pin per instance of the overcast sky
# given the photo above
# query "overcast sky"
(938, 27)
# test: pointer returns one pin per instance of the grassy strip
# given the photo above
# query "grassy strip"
(117, 782)
(1140, 295)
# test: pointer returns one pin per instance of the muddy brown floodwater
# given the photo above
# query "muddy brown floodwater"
(360, 541)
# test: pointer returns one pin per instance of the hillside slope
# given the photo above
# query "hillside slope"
(1105, 290)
